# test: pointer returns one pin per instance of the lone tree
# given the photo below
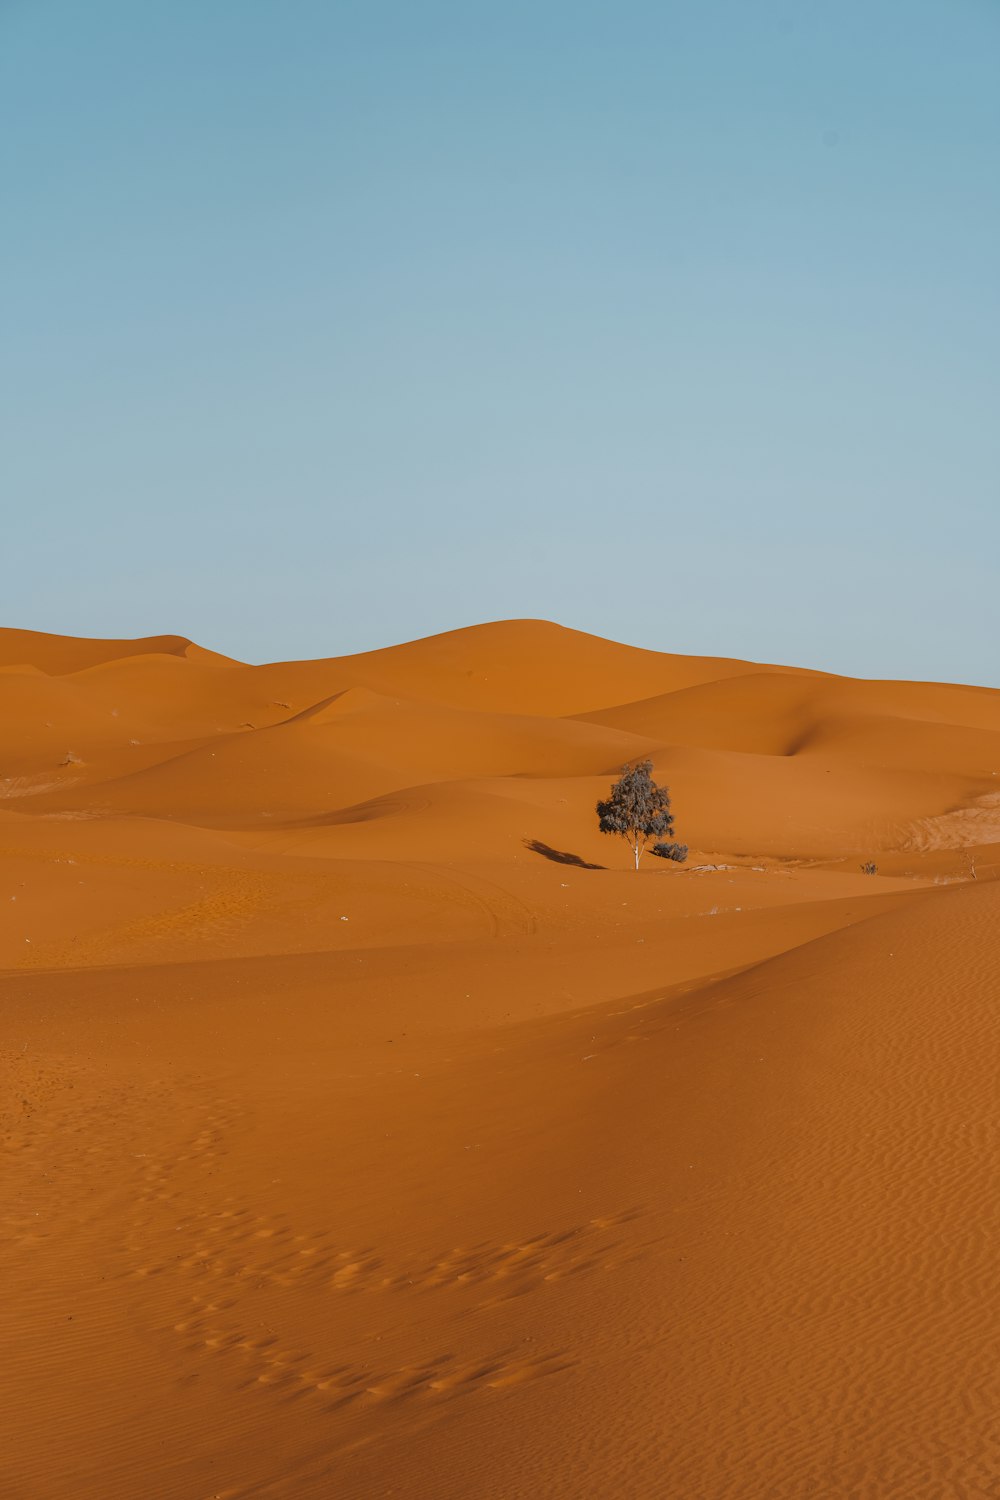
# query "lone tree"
(637, 808)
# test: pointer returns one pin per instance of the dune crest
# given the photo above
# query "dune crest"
(59, 655)
(370, 1126)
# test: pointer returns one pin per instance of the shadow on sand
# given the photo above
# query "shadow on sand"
(559, 856)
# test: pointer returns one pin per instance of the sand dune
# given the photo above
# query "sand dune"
(60, 654)
(370, 1127)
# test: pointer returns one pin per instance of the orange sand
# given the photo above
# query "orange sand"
(370, 1128)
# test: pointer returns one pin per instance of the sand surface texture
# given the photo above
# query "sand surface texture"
(369, 1127)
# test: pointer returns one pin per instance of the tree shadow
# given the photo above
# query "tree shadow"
(558, 856)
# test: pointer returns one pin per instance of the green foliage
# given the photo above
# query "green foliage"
(637, 808)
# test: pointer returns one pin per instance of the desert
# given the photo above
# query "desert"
(371, 1127)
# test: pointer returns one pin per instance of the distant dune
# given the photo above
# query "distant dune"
(370, 1127)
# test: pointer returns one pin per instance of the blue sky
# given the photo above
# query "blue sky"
(328, 325)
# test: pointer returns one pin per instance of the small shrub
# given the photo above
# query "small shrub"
(869, 867)
(677, 852)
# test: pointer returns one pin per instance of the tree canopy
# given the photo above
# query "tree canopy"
(637, 808)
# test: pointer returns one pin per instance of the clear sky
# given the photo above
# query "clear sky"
(327, 325)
